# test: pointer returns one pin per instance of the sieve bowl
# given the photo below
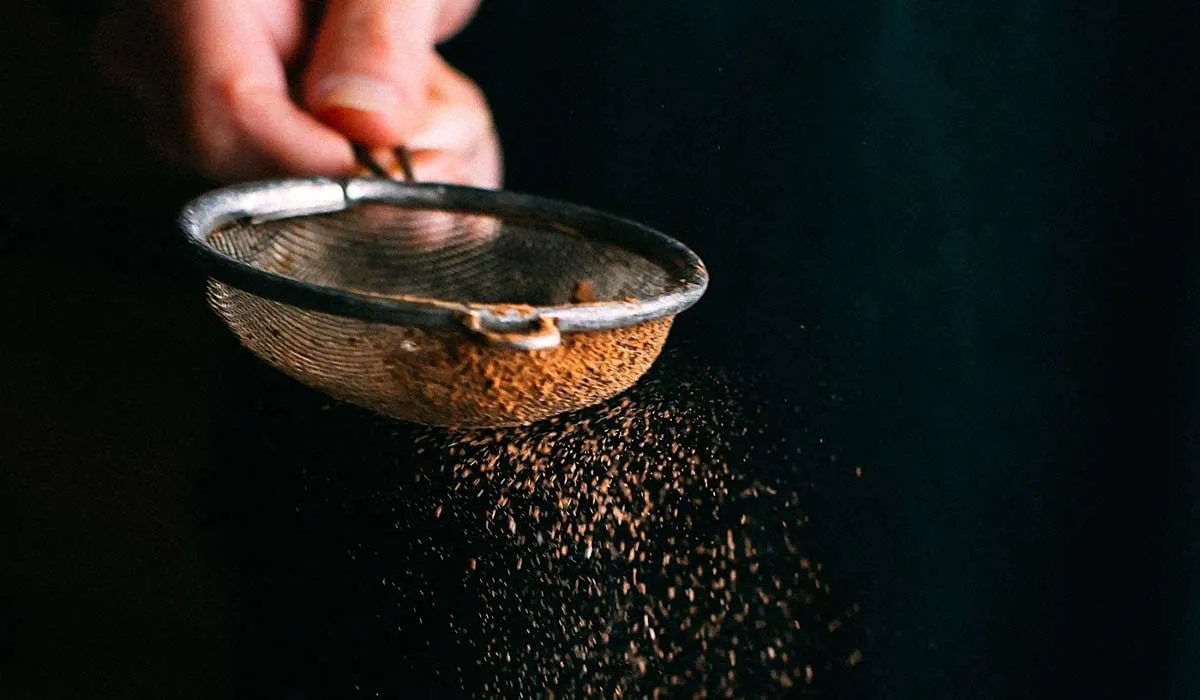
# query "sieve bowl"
(438, 304)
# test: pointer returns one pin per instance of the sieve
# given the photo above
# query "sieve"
(440, 304)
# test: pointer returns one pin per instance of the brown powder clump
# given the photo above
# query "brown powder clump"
(436, 376)
(462, 382)
(585, 292)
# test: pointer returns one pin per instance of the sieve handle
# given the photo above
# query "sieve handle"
(543, 334)
(368, 161)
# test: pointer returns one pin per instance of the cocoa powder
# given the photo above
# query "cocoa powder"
(439, 377)
(585, 292)
(652, 546)
(463, 382)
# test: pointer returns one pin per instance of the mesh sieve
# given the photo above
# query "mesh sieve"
(437, 304)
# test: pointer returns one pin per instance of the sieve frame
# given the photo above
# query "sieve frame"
(269, 200)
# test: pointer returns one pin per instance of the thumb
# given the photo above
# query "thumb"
(369, 71)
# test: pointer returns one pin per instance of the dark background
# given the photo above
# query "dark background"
(963, 233)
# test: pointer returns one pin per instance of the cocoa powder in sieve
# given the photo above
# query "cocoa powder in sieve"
(585, 292)
(468, 383)
(439, 377)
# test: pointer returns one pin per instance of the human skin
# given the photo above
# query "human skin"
(244, 89)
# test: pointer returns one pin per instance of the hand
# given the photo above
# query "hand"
(237, 89)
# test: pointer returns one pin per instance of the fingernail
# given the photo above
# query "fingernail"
(355, 92)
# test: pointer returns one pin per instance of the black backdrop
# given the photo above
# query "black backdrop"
(964, 233)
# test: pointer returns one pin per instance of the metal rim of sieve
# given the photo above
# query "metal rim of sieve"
(534, 328)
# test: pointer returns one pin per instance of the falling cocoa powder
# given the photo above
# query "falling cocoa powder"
(653, 546)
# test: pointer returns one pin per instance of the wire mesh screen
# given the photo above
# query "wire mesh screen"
(438, 376)
(393, 251)
(441, 376)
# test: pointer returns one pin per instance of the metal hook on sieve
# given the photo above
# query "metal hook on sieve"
(368, 161)
(543, 333)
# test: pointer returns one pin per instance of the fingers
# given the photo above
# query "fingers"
(453, 15)
(455, 140)
(210, 77)
(368, 74)
(240, 120)
(284, 21)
